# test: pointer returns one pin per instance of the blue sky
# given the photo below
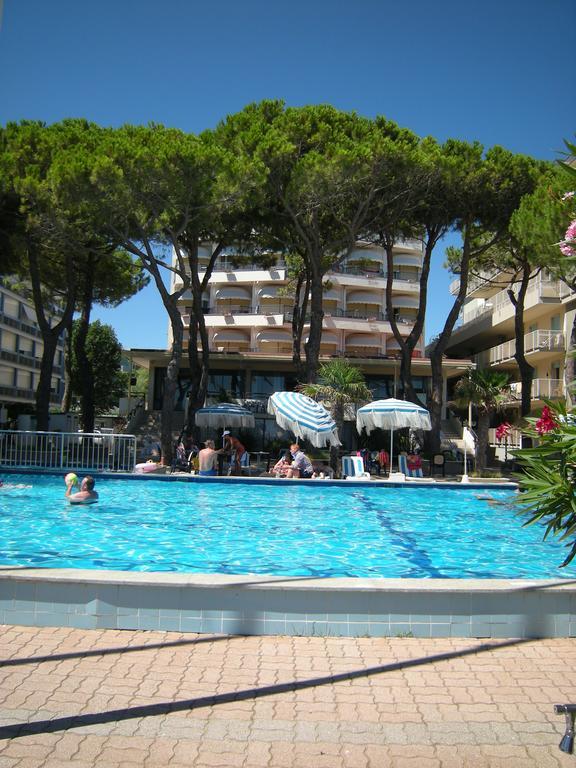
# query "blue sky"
(498, 72)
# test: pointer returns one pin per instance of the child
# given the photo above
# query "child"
(282, 465)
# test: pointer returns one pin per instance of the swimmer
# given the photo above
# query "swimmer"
(86, 494)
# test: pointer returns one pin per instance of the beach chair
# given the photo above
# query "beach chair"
(353, 468)
(405, 469)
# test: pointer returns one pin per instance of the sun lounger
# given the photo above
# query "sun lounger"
(411, 474)
(353, 468)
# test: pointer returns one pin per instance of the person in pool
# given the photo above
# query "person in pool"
(86, 494)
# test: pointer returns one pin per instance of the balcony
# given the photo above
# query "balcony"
(537, 343)
(376, 272)
(551, 389)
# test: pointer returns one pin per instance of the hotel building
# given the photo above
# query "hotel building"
(21, 353)
(248, 313)
(486, 331)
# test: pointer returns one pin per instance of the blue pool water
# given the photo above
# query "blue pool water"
(304, 529)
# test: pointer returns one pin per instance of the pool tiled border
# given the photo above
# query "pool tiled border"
(269, 605)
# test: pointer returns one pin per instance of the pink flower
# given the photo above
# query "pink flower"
(502, 431)
(567, 249)
(571, 232)
(567, 195)
(547, 421)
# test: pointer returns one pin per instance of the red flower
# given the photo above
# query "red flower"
(546, 422)
(503, 431)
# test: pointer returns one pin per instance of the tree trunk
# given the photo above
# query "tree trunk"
(50, 334)
(171, 384)
(338, 416)
(526, 370)
(436, 400)
(199, 364)
(83, 364)
(298, 319)
(44, 387)
(67, 396)
(170, 301)
(312, 346)
(482, 451)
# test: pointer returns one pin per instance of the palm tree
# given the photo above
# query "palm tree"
(487, 391)
(339, 384)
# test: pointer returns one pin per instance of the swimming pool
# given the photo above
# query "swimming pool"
(306, 529)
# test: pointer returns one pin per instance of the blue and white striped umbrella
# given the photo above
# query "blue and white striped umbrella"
(224, 415)
(392, 414)
(304, 417)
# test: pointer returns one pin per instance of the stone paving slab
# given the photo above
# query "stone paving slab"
(117, 699)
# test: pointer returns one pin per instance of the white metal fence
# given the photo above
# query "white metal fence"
(67, 450)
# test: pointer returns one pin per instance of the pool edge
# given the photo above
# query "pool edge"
(270, 605)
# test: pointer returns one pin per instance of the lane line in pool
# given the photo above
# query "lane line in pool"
(408, 548)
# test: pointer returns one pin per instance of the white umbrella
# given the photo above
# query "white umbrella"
(224, 415)
(304, 417)
(392, 414)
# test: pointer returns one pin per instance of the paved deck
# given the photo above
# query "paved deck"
(79, 698)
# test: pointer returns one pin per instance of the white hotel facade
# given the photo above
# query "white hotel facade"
(248, 314)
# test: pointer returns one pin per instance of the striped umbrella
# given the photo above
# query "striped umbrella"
(304, 417)
(392, 414)
(224, 415)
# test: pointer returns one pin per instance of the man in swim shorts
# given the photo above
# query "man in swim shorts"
(86, 494)
(208, 460)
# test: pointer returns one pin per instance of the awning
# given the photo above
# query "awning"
(278, 337)
(327, 338)
(363, 340)
(406, 301)
(364, 255)
(231, 334)
(30, 313)
(331, 295)
(234, 292)
(269, 292)
(365, 297)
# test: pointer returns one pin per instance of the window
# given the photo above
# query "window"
(23, 379)
(265, 384)
(231, 384)
(11, 306)
(6, 376)
(8, 341)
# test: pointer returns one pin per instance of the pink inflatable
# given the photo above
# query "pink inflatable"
(147, 466)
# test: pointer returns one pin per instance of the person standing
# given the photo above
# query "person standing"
(237, 451)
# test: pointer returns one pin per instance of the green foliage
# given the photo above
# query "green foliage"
(339, 384)
(548, 478)
(104, 352)
(485, 389)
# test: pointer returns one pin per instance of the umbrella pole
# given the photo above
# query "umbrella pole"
(391, 450)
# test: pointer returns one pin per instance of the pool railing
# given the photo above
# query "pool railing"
(94, 451)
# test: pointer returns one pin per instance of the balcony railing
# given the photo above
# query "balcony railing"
(551, 389)
(350, 314)
(350, 269)
(513, 439)
(535, 341)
